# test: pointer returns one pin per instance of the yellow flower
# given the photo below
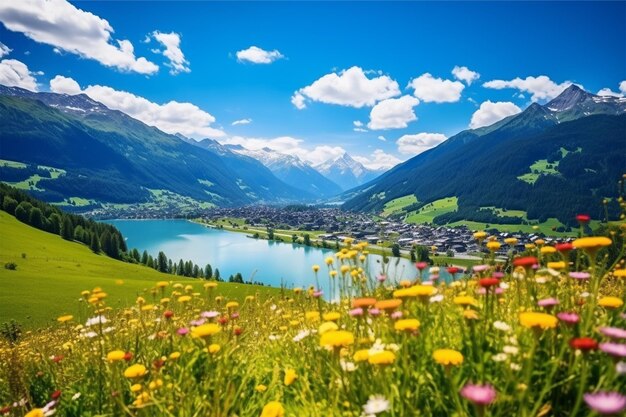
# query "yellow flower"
(66, 318)
(510, 241)
(448, 357)
(620, 273)
(115, 356)
(214, 348)
(547, 249)
(470, 314)
(540, 242)
(135, 371)
(162, 284)
(388, 304)
(480, 235)
(337, 338)
(232, 304)
(273, 409)
(316, 268)
(210, 285)
(35, 412)
(591, 244)
(610, 302)
(155, 384)
(541, 320)
(331, 316)
(557, 265)
(184, 298)
(326, 327)
(384, 357)
(174, 355)
(465, 300)
(493, 246)
(361, 355)
(407, 325)
(329, 260)
(205, 330)
(261, 388)
(312, 315)
(290, 376)
(136, 387)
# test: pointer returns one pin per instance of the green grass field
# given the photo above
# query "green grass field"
(427, 213)
(48, 281)
(398, 204)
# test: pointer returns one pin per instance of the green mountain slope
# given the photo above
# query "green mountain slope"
(573, 166)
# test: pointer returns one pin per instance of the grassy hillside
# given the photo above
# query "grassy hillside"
(49, 279)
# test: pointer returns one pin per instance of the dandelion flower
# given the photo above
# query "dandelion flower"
(65, 319)
(407, 325)
(290, 376)
(537, 320)
(382, 358)
(273, 409)
(610, 302)
(116, 356)
(205, 330)
(35, 412)
(448, 357)
(337, 338)
(135, 371)
(591, 243)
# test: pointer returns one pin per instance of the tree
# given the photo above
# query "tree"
(270, 233)
(181, 268)
(135, 255)
(196, 271)
(150, 261)
(208, 271)
(217, 274)
(21, 214)
(162, 262)
(9, 204)
(55, 223)
(67, 228)
(422, 254)
(412, 253)
(94, 244)
(395, 250)
(106, 243)
(307, 239)
(79, 233)
(144, 257)
(35, 218)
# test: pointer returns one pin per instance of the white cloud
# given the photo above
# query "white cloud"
(622, 87)
(465, 74)
(360, 129)
(609, 92)
(540, 88)
(381, 137)
(349, 87)
(357, 123)
(64, 85)
(241, 122)
(171, 42)
(430, 89)
(171, 117)
(4, 50)
(378, 160)
(14, 73)
(257, 55)
(298, 100)
(418, 143)
(65, 27)
(393, 113)
(488, 113)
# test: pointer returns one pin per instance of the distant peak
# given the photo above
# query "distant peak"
(568, 98)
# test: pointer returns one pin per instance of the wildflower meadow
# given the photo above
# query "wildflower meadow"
(540, 334)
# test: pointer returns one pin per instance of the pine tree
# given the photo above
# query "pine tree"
(94, 244)
(67, 229)
(217, 274)
(144, 257)
(208, 271)
(162, 262)
(35, 218)
(181, 268)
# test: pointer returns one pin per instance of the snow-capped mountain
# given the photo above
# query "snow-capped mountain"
(346, 172)
(292, 170)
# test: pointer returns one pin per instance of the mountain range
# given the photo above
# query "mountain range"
(105, 155)
(550, 161)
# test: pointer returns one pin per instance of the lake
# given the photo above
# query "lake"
(260, 260)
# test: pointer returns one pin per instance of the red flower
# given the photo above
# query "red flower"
(128, 356)
(583, 343)
(222, 320)
(564, 247)
(158, 364)
(56, 394)
(453, 270)
(583, 218)
(168, 314)
(526, 261)
(5, 410)
(421, 265)
(57, 358)
(488, 282)
(237, 330)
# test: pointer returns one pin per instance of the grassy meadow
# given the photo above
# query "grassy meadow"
(53, 272)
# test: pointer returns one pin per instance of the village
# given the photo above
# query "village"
(333, 224)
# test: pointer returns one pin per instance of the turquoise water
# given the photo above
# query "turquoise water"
(258, 260)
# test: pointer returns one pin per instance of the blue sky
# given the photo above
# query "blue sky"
(380, 54)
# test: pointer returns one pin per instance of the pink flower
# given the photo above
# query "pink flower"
(374, 311)
(421, 265)
(480, 268)
(479, 394)
(396, 315)
(356, 312)
(548, 302)
(579, 275)
(617, 350)
(182, 331)
(498, 274)
(613, 332)
(209, 314)
(381, 277)
(197, 322)
(318, 294)
(569, 318)
(606, 402)
(434, 277)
